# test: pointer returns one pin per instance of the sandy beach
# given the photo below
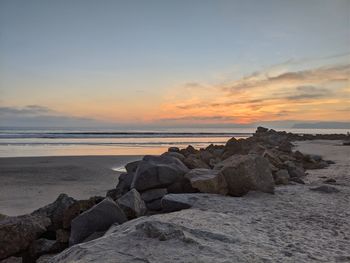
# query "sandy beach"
(31, 182)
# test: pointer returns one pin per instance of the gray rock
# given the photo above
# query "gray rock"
(153, 194)
(44, 246)
(17, 233)
(132, 204)
(206, 156)
(12, 260)
(297, 180)
(132, 167)
(56, 210)
(176, 202)
(124, 185)
(62, 235)
(177, 155)
(281, 177)
(193, 161)
(207, 181)
(98, 218)
(247, 172)
(325, 189)
(188, 150)
(174, 149)
(45, 258)
(155, 205)
(182, 185)
(94, 236)
(158, 172)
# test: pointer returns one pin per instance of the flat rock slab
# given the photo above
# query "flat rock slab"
(294, 225)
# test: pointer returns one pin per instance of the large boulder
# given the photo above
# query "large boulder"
(132, 204)
(98, 218)
(17, 233)
(246, 172)
(56, 210)
(124, 183)
(77, 208)
(177, 155)
(158, 172)
(207, 181)
(153, 194)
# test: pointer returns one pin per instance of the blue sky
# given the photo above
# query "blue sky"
(126, 61)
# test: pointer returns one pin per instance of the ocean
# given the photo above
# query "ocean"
(82, 142)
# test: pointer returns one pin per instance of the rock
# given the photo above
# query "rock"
(62, 235)
(176, 202)
(261, 130)
(207, 181)
(193, 161)
(223, 229)
(273, 158)
(158, 172)
(293, 170)
(17, 233)
(246, 172)
(55, 210)
(281, 177)
(132, 204)
(12, 260)
(330, 181)
(188, 150)
(285, 146)
(98, 218)
(177, 155)
(153, 194)
(206, 156)
(297, 180)
(346, 143)
(45, 258)
(77, 208)
(132, 167)
(44, 246)
(124, 185)
(182, 185)
(94, 236)
(325, 189)
(154, 205)
(174, 149)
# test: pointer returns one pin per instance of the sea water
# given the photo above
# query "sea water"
(69, 142)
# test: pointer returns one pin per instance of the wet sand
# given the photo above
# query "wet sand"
(27, 183)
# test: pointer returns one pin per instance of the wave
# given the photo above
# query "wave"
(81, 135)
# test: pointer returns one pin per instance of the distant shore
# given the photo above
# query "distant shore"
(27, 183)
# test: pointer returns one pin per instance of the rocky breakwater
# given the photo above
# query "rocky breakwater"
(173, 181)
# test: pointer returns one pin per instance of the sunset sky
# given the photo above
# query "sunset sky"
(174, 63)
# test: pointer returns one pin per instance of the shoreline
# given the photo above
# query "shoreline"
(27, 183)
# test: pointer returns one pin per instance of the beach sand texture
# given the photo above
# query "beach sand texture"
(31, 182)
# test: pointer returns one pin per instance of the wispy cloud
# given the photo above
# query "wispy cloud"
(40, 116)
(311, 93)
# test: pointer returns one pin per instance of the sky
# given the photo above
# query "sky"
(173, 63)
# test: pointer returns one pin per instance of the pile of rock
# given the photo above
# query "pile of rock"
(150, 186)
